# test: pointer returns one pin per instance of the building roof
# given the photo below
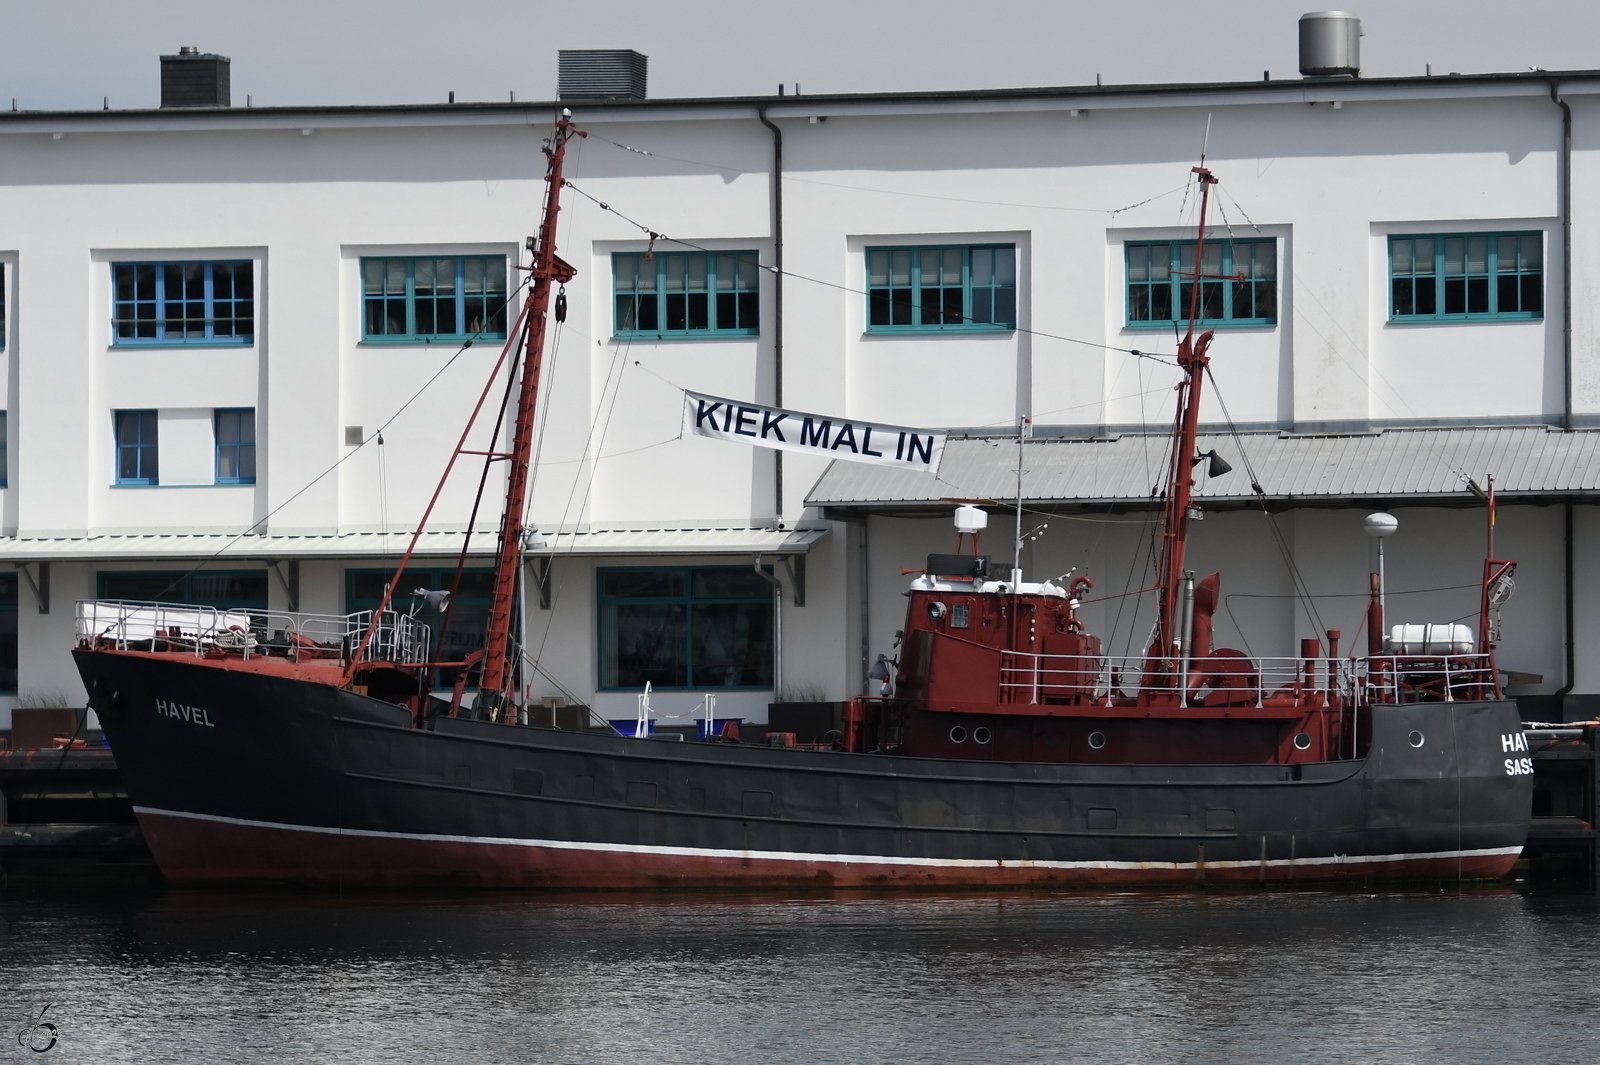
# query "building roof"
(1282, 90)
(1395, 466)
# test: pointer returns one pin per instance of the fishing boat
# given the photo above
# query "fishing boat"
(1006, 747)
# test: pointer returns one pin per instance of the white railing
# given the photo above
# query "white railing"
(1240, 681)
(1427, 678)
(199, 630)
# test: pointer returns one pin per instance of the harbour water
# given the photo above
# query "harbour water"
(177, 976)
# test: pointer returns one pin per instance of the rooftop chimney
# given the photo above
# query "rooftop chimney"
(602, 74)
(194, 79)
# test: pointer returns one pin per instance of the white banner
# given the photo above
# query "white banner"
(812, 434)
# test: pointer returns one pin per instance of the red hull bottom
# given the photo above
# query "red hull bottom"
(197, 849)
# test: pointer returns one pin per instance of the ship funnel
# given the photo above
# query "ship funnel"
(1330, 44)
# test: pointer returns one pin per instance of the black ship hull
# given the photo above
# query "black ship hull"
(236, 776)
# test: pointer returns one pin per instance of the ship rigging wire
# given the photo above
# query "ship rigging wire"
(355, 449)
(657, 236)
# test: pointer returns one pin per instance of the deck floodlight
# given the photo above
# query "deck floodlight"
(437, 599)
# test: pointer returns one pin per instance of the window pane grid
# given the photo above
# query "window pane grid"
(707, 628)
(1238, 284)
(183, 303)
(970, 287)
(686, 294)
(426, 298)
(236, 446)
(1460, 277)
(137, 450)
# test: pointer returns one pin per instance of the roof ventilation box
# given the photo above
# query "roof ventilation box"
(193, 78)
(602, 74)
(1330, 44)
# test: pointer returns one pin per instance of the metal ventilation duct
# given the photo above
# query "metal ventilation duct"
(602, 74)
(195, 79)
(1330, 44)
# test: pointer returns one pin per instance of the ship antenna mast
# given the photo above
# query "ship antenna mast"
(1192, 360)
(546, 268)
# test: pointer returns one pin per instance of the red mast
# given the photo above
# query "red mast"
(1192, 359)
(546, 268)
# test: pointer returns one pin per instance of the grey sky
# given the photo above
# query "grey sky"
(71, 53)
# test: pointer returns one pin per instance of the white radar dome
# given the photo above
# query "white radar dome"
(1381, 525)
(970, 519)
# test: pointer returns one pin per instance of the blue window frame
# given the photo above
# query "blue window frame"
(1466, 276)
(138, 447)
(686, 294)
(236, 446)
(685, 628)
(183, 303)
(1238, 284)
(422, 299)
(468, 621)
(939, 289)
(5, 451)
(2, 306)
(243, 589)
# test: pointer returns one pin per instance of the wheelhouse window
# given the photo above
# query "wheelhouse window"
(469, 618)
(138, 447)
(183, 303)
(236, 446)
(708, 628)
(686, 294)
(1238, 282)
(1466, 277)
(435, 298)
(939, 289)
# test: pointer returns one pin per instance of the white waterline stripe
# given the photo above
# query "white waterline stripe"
(842, 859)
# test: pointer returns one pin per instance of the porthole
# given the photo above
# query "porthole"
(1302, 740)
(936, 610)
(958, 734)
(1097, 740)
(980, 735)
(1415, 739)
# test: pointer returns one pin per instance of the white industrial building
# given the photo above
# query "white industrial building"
(212, 314)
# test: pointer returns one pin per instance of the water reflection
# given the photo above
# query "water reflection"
(184, 976)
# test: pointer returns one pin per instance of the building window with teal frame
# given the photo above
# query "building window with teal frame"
(469, 618)
(223, 589)
(183, 303)
(138, 447)
(939, 289)
(700, 629)
(2, 306)
(422, 299)
(236, 446)
(1466, 277)
(1238, 283)
(686, 294)
(5, 451)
